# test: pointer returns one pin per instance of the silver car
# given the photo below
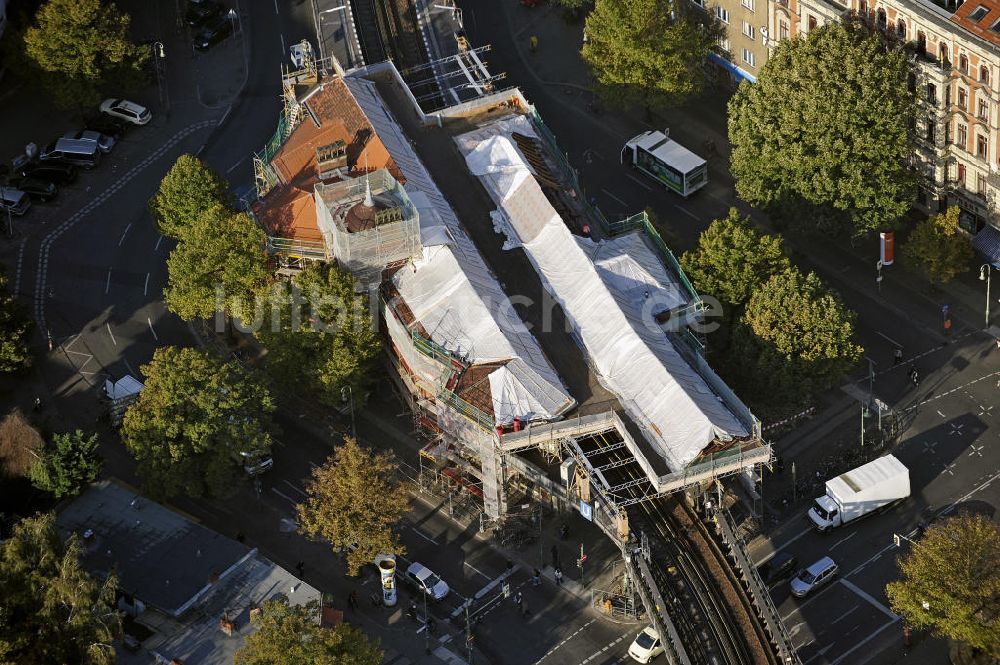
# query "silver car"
(426, 581)
(813, 577)
(104, 142)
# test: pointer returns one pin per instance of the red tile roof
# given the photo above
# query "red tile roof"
(984, 26)
(288, 209)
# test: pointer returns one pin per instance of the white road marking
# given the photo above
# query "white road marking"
(233, 167)
(687, 212)
(466, 563)
(863, 642)
(296, 488)
(845, 615)
(276, 7)
(941, 414)
(563, 643)
(976, 450)
(844, 539)
(284, 496)
(124, 233)
(864, 594)
(638, 181)
(111, 333)
(778, 549)
(889, 339)
(107, 284)
(158, 241)
(875, 556)
(950, 507)
(422, 535)
(17, 271)
(155, 336)
(129, 367)
(614, 197)
(282, 44)
(145, 287)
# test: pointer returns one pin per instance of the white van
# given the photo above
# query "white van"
(72, 151)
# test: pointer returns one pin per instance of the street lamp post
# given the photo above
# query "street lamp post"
(10, 218)
(347, 396)
(160, 54)
(985, 271)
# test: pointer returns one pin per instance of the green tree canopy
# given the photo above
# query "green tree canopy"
(219, 266)
(69, 463)
(189, 189)
(937, 249)
(51, 609)
(291, 635)
(15, 331)
(822, 137)
(356, 498)
(648, 52)
(951, 582)
(327, 345)
(796, 337)
(733, 259)
(82, 47)
(194, 420)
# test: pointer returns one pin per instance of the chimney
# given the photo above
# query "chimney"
(331, 160)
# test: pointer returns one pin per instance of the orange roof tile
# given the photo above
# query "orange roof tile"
(288, 209)
(966, 14)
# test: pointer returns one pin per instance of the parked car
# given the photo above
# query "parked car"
(813, 577)
(426, 581)
(254, 465)
(36, 188)
(200, 12)
(779, 567)
(646, 646)
(14, 201)
(106, 124)
(72, 151)
(103, 141)
(61, 174)
(212, 33)
(127, 111)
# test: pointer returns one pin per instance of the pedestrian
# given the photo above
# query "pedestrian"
(555, 556)
(563, 532)
(536, 578)
(533, 43)
(558, 576)
(915, 376)
(300, 566)
(510, 567)
(897, 356)
(352, 600)
(519, 601)
(38, 403)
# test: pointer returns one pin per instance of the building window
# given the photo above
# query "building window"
(749, 58)
(984, 110)
(911, 82)
(963, 98)
(981, 183)
(782, 30)
(724, 44)
(748, 29)
(961, 175)
(930, 130)
(863, 9)
(748, 4)
(921, 43)
(982, 147)
(963, 64)
(962, 136)
(901, 29)
(723, 14)
(979, 13)
(943, 53)
(812, 23)
(932, 94)
(881, 20)
(984, 74)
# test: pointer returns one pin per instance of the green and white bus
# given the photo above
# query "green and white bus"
(667, 161)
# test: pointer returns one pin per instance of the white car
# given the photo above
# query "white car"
(646, 646)
(127, 111)
(421, 577)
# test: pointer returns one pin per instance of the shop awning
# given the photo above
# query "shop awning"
(987, 243)
(743, 74)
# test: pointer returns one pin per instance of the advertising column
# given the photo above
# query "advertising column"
(387, 570)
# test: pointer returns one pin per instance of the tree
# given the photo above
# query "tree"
(188, 189)
(66, 466)
(51, 610)
(795, 338)
(937, 249)
(836, 160)
(20, 446)
(15, 331)
(219, 266)
(951, 582)
(355, 501)
(733, 259)
(291, 635)
(334, 345)
(82, 46)
(648, 52)
(197, 418)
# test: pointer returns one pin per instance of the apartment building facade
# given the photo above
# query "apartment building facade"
(747, 35)
(955, 49)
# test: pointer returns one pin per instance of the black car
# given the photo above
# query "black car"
(105, 124)
(213, 33)
(60, 174)
(781, 566)
(36, 188)
(200, 12)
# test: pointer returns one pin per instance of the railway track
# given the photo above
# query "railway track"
(399, 31)
(711, 609)
(365, 21)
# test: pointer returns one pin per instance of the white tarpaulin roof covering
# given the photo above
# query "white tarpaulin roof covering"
(603, 294)
(123, 388)
(456, 298)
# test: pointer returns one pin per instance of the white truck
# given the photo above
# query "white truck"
(868, 489)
